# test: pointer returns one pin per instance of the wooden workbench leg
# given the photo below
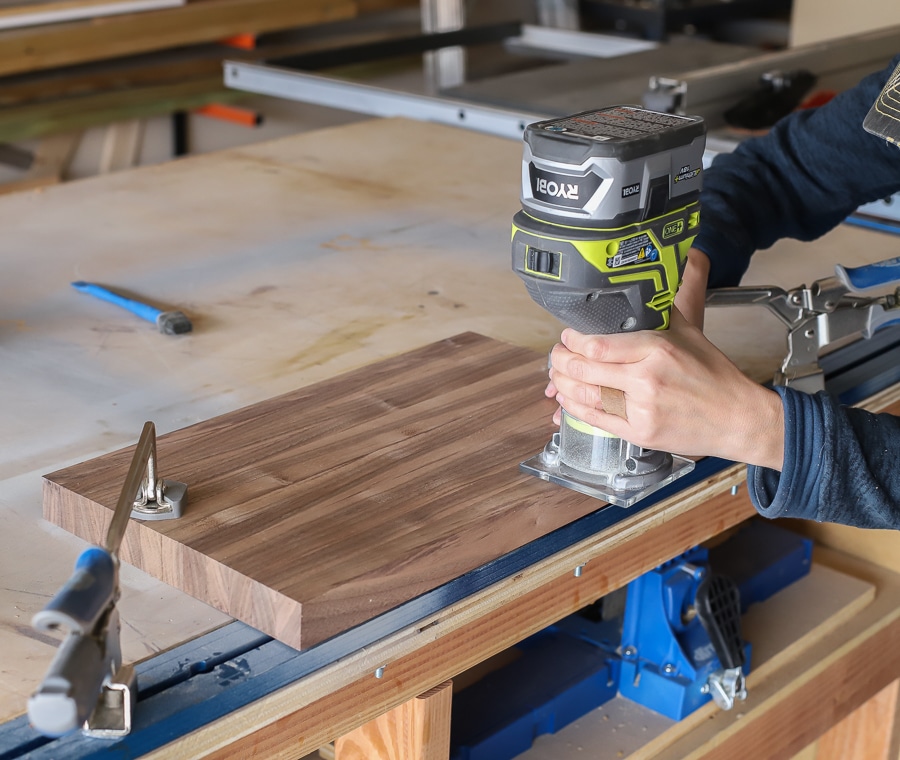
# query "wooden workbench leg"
(416, 730)
(868, 733)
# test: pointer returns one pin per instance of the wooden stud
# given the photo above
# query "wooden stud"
(866, 733)
(416, 730)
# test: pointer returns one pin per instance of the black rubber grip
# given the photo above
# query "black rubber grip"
(719, 609)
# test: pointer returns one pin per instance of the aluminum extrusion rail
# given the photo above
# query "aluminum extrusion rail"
(332, 92)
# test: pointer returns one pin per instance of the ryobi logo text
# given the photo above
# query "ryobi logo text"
(562, 189)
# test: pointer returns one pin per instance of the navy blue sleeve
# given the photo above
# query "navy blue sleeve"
(800, 180)
(841, 465)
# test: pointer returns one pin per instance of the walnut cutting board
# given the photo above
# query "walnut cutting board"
(315, 511)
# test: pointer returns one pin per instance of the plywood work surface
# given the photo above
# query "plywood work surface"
(297, 260)
(315, 511)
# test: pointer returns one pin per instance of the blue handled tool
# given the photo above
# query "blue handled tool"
(829, 312)
(168, 322)
(86, 684)
(870, 276)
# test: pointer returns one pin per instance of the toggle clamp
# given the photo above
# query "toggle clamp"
(681, 638)
(86, 684)
(826, 315)
(157, 498)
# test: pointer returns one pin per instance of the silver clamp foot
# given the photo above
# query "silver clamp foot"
(158, 499)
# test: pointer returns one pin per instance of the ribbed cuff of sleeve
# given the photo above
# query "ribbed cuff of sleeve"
(794, 492)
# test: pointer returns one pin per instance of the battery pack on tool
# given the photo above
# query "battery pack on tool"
(610, 208)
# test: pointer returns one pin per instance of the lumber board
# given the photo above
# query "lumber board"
(80, 113)
(37, 48)
(323, 705)
(318, 510)
(18, 13)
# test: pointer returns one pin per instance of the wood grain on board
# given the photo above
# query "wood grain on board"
(317, 510)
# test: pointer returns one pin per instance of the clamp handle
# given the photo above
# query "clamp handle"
(880, 318)
(870, 276)
(68, 693)
(88, 594)
(718, 604)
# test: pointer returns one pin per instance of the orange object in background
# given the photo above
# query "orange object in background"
(245, 41)
(243, 116)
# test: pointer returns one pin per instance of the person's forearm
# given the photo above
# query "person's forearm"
(691, 296)
(842, 465)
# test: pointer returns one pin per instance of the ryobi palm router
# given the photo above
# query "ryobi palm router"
(610, 208)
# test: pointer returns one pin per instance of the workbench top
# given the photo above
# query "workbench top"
(297, 260)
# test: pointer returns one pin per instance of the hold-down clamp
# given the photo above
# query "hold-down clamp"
(86, 684)
(824, 316)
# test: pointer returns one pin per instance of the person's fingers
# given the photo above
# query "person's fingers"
(620, 348)
(551, 390)
(576, 368)
(583, 393)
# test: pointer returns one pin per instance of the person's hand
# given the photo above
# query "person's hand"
(691, 296)
(682, 394)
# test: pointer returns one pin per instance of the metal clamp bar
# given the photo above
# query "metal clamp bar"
(142, 464)
(375, 101)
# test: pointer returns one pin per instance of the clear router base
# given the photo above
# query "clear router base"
(547, 466)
